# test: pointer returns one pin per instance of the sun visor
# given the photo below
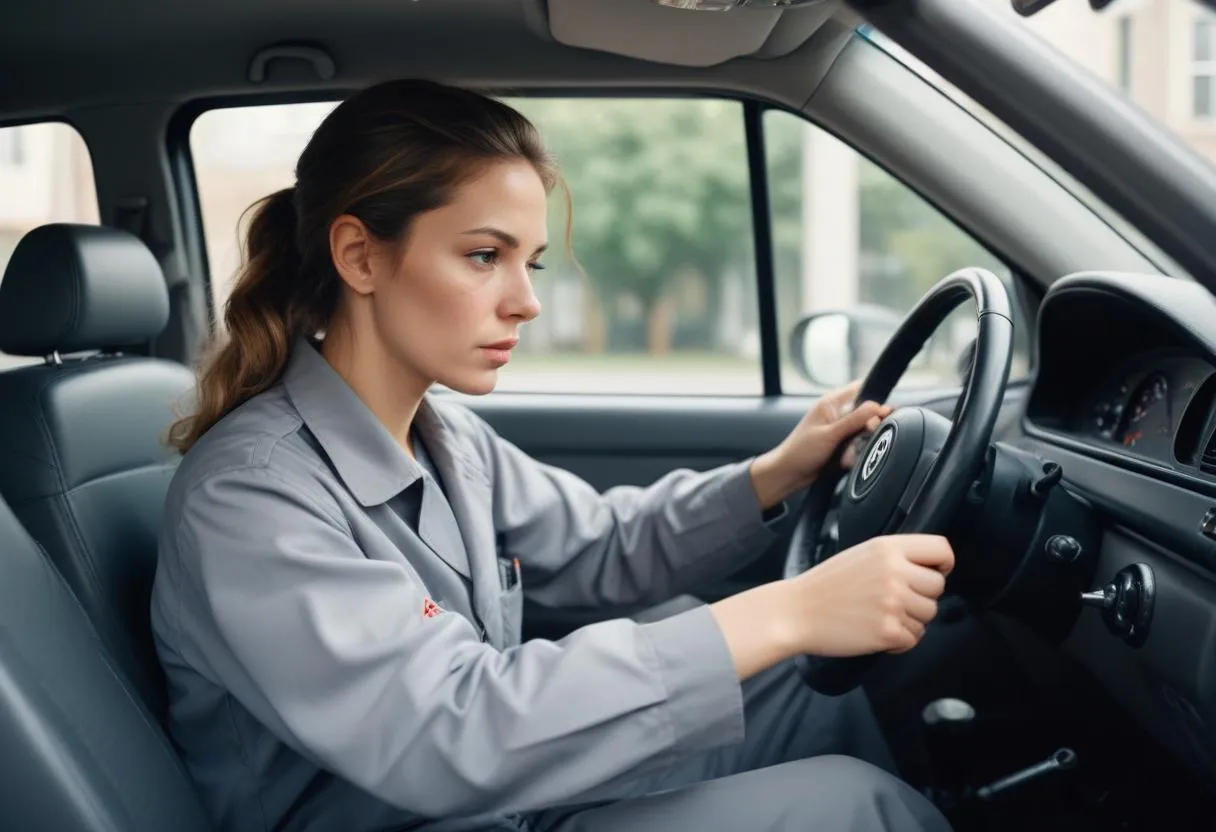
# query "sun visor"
(648, 31)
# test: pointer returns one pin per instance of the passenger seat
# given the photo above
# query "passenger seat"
(78, 751)
(82, 458)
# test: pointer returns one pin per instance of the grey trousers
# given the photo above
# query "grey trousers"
(808, 762)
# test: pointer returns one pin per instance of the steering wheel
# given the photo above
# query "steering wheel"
(915, 469)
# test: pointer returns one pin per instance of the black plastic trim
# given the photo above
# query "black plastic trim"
(1168, 514)
(762, 238)
(1135, 465)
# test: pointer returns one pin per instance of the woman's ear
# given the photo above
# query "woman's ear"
(351, 247)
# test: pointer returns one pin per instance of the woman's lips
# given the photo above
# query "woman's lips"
(499, 352)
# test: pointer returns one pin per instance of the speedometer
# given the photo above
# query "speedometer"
(1148, 412)
(1105, 418)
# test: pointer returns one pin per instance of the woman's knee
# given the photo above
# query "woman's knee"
(846, 793)
(820, 794)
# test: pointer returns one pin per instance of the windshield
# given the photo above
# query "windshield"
(1158, 54)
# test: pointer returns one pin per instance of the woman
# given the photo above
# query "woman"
(338, 603)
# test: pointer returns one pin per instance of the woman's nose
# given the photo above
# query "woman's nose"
(521, 301)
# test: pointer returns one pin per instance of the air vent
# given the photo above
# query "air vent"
(1207, 463)
(1198, 421)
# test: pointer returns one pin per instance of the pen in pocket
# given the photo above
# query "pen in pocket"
(508, 572)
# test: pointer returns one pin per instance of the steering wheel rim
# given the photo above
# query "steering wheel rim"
(942, 477)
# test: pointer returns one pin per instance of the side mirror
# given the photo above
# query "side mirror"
(829, 349)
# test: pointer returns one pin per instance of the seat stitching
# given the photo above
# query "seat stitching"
(57, 461)
(77, 287)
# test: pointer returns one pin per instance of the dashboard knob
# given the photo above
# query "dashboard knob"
(1063, 548)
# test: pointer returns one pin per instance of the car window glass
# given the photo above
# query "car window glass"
(46, 176)
(858, 248)
(660, 294)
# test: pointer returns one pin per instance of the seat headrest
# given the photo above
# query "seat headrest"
(71, 288)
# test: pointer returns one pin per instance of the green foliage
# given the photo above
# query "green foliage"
(660, 188)
(922, 244)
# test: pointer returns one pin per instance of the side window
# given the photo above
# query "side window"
(46, 176)
(660, 296)
(240, 155)
(857, 249)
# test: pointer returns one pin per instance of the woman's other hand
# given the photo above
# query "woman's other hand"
(797, 461)
(875, 597)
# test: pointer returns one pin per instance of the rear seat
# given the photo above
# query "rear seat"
(79, 751)
(82, 461)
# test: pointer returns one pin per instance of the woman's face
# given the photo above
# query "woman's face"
(448, 304)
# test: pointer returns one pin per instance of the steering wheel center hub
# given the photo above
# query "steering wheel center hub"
(877, 454)
(878, 483)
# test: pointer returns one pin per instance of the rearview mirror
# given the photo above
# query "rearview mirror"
(829, 349)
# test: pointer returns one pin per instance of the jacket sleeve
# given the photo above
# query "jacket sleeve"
(578, 547)
(331, 651)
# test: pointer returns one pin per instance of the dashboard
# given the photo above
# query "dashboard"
(1124, 400)
(1128, 375)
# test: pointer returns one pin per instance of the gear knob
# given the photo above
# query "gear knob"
(949, 724)
(948, 714)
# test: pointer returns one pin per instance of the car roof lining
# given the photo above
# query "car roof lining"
(137, 51)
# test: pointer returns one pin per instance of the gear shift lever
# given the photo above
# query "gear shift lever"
(948, 732)
(1062, 760)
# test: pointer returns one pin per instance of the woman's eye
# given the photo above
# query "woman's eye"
(485, 258)
(536, 267)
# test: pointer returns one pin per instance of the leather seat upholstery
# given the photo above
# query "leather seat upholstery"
(80, 752)
(82, 458)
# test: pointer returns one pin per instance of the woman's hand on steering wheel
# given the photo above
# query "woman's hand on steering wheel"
(875, 597)
(796, 462)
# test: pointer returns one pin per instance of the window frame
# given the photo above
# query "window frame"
(753, 109)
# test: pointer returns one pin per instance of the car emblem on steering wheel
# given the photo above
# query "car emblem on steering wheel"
(877, 454)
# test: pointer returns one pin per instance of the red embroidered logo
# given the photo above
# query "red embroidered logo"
(430, 609)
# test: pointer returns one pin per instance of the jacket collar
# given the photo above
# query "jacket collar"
(370, 462)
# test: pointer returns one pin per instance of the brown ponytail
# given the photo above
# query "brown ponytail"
(384, 155)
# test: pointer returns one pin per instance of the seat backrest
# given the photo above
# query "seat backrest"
(82, 458)
(78, 751)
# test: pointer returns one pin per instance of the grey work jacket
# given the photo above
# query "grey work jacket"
(332, 665)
